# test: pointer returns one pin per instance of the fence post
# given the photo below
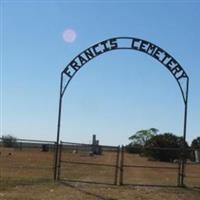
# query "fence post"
(59, 159)
(20, 146)
(54, 161)
(183, 163)
(121, 166)
(117, 165)
(179, 172)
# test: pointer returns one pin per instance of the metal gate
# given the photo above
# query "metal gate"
(117, 166)
(88, 163)
(137, 169)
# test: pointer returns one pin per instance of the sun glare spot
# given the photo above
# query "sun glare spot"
(69, 35)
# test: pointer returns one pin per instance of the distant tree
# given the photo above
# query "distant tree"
(163, 147)
(142, 136)
(196, 143)
(9, 140)
(139, 139)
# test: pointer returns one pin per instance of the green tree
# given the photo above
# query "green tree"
(164, 147)
(141, 137)
(9, 140)
(196, 143)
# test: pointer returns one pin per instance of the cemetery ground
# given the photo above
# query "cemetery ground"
(64, 191)
(27, 174)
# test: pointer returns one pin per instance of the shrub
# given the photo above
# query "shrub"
(9, 141)
(134, 148)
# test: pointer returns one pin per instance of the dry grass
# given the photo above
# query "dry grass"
(27, 175)
(63, 191)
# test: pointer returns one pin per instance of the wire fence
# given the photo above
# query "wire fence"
(27, 161)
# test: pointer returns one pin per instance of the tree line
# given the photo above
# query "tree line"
(161, 146)
(150, 143)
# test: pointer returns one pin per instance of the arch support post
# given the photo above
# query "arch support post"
(184, 147)
(55, 173)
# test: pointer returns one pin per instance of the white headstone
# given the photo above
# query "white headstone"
(197, 155)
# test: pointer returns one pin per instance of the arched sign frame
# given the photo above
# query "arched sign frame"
(124, 43)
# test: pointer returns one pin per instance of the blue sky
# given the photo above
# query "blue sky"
(113, 95)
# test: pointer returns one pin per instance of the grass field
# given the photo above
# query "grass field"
(27, 175)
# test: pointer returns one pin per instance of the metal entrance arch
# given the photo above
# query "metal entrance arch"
(122, 43)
